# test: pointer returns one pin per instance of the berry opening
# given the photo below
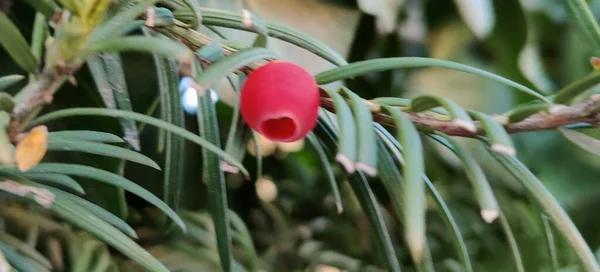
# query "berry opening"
(279, 129)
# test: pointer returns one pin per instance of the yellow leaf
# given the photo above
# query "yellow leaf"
(32, 148)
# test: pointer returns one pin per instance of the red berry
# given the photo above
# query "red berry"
(280, 100)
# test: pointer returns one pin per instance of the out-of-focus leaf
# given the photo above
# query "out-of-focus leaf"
(7, 81)
(101, 213)
(25, 249)
(4, 265)
(213, 176)
(7, 150)
(568, 93)
(414, 186)
(585, 142)
(20, 262)
(366, 144)
(479, 16)
(532, 66)
(559, 217)
(551, 243)
(507, 39)
(151, 45)
(246, 239)
(347, 145)
(146, 119)
(110, 178)
(232, 20)
(38, 36)
(58, 179)
(7, 104)
(15, 45)
(118, 22)
(328, 171)
(370, 207)
(87, 221)
(211, 53)
(586, 23)
(46, 7)
(514, 248)
(382, 64)
(84, 135)
(101, 149)
(385, 11)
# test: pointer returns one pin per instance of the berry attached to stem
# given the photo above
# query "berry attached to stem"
(280, 100)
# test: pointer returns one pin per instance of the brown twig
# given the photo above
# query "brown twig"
(559, 116)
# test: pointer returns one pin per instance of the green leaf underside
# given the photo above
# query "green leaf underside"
(370, 208)
(392, 176)
(101, 213)
(145, 119)
(481, 187)
(15, 45)
(109, 178)
(367, 145)
(375, 65)
(23, 248)
(101, 149)
(213, 176)
(7, 81)
(115, 75)
(347, 145)
(46, 7)
(20, 262)
(118, 22)
(245, 239)
(58, 179)
(414, 186)
(500, 139)
(85, 135)
(559, 217)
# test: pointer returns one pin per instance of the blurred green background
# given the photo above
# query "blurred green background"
(529, 41)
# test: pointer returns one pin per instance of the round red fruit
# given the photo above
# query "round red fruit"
(280, 100)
